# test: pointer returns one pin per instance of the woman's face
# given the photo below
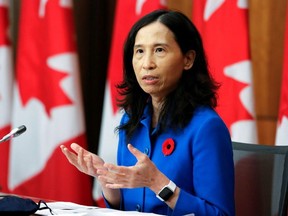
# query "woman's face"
(158, 61)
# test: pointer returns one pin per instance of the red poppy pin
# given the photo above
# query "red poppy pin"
(168, 146)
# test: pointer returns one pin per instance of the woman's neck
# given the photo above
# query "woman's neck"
(157, 105)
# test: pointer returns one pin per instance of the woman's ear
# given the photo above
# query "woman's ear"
(189, 59)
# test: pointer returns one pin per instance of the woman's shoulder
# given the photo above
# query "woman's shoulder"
(207, 121)
(205, 111)
(206, 115)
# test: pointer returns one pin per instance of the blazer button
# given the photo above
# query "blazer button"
(146, 151)
(138, 207)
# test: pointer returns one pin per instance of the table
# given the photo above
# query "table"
(69, 208)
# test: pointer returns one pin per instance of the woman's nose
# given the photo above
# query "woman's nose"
(149, 62)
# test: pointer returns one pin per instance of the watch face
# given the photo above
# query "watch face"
(166, 193)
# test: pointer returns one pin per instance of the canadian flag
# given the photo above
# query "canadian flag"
(6, 87)
(127, 13)
(47, 99)
(223, 25)
(282, 126)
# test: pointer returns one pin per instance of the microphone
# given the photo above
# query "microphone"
(14, 133)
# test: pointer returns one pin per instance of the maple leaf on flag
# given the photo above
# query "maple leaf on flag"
(238, 78)
(36, 61)
(41, 86)
(225, 40)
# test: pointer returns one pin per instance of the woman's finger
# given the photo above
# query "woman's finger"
(138, 154)
(75, 147)
(80, 160)
(72, 157)
(91, 170)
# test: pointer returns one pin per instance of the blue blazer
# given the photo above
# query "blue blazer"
(201, 165)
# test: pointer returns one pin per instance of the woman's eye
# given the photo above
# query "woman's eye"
(139, 51)
(159, 49)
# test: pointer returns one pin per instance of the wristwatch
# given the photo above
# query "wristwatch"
(167, 191)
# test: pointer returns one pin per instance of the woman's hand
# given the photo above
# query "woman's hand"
(143, 174)
(83, 160)
(89, 164)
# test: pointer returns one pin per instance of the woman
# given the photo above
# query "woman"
(174, 152)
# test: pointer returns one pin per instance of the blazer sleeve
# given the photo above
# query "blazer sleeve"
(213, 173)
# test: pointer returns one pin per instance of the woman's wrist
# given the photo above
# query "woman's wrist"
(158, 182)
(112, 196)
